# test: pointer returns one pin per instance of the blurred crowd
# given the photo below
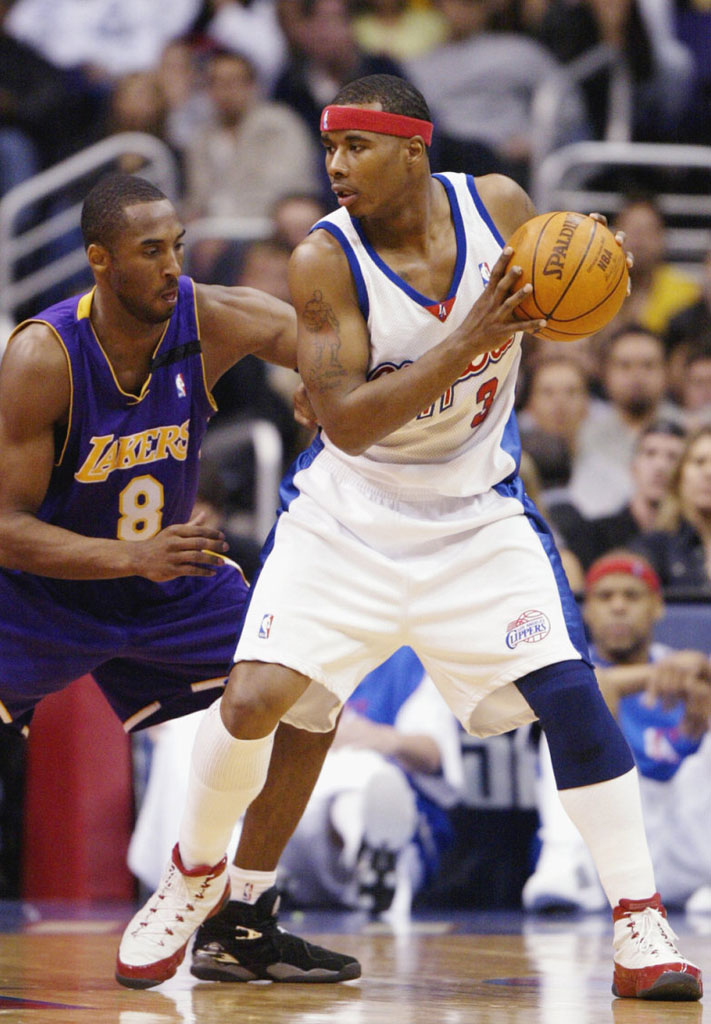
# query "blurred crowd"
(616, 429)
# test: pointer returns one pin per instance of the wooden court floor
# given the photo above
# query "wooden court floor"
(56, 967)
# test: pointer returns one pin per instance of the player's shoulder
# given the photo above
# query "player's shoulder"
(35, 379)
(34, 348)
(216, 302)
(508, 202)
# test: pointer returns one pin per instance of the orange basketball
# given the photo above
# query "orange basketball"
(578, 273)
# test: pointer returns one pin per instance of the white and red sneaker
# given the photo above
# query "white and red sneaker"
(154, 942)
(648, 964)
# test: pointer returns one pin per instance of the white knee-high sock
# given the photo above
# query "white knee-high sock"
(226, 774)
(608, 816)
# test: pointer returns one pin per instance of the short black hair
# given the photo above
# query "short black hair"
(395, 95)
(622, 330)
(671, 428)
(102, 214)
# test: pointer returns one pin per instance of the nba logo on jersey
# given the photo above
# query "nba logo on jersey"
(528, 628)
(485, 271)
(266, 627)
(180, 385)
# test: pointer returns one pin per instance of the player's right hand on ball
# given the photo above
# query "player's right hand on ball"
(184, 549)
(491, 319)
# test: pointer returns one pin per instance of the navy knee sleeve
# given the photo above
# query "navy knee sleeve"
(585, 741)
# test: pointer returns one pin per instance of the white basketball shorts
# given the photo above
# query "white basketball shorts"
(474, 586)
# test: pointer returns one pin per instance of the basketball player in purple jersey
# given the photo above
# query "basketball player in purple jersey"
(104, 401)
(406, 521)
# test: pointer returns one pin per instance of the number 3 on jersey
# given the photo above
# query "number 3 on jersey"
(141, 508)
(485, 397)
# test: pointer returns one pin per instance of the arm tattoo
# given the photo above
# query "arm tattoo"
(319, 317)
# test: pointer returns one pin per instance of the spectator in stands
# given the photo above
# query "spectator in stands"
(480, 84)
(688, 330)
(557, 398)
(251, 27)
(376, 824)
(696, 385)
(642, 36)
(634, 382)
(398, 28)
(656, 456)
(137, 103)
(680, 546)
(325, 56)
(182, 81)
(104, 38)
(295, 214)
(43, 109)
(662, 699)
(235, 166)
(659, 289)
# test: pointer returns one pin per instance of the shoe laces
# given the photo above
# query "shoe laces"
(152, 927)
(652, 932)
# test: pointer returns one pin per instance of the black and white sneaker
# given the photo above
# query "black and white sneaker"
(244, 943)
(376, 877)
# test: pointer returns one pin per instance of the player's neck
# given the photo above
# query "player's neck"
(411, 223)
(118, 330)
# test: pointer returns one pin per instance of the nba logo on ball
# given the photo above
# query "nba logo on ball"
(528, 628)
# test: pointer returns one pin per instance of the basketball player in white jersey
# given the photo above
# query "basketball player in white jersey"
(406, 521)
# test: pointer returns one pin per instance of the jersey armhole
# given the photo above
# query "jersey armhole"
(361, 290)
(483, 212)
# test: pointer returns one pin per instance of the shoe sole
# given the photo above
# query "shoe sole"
(671, 986)
(150, 975)
(236, 973)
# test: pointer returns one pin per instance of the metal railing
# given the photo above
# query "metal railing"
(562, 182)
(555, 92)
(59, 183)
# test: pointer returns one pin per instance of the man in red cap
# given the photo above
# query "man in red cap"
(662, 700)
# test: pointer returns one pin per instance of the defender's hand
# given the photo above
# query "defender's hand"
(184, 549)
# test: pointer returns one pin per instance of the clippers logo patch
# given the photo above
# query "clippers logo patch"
(266, 627)
(528, 628)
(180, 385)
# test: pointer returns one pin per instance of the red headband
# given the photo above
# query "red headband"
(627, 564)
(336, 119)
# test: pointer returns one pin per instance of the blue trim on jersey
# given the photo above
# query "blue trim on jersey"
(513, 488)
(461, 260)
(361, 290)
(511, 439)
(484, 213)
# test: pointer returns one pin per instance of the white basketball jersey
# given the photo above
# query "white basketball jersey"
(467, 441)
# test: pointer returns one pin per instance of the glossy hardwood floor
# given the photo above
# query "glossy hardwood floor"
(56, 967)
